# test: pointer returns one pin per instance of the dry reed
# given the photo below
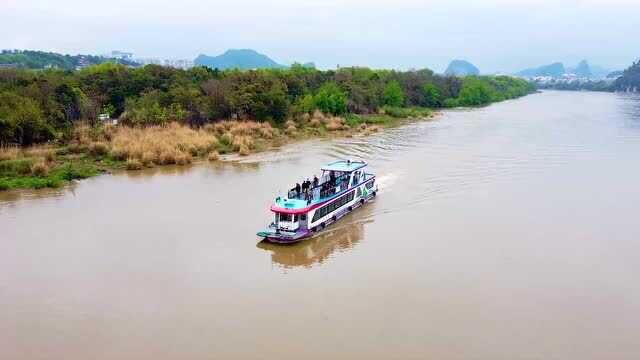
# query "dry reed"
(213, 156)
(162, 145)
(40, 168)
(134, 164)
(9, 153)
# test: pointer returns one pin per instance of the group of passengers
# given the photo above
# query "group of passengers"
(305, 191)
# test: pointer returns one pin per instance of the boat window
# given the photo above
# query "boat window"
(295, 218)
(285, 217)
(303, 217)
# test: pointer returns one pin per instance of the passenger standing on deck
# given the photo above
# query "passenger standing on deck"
(298, 189)
(315, 181)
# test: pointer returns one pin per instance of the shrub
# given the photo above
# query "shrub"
(98, 149)
(168, 157)
(9, 153)
(450, 103)
(183, 159)
(118, 154)
(399, 112)
(334, 123)
(40, 169)
(244, 150)
(393, 95)
(17, 167)
(213, 156)
(73, 171)
(134, 164)
(291, 130)
(315, 122)
(50, 156)
(149, 158)
(77, 148)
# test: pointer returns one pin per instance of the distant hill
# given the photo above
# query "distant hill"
(461, 68)
(583, 69)
(238, 59)
(37, 60)
(554, 70)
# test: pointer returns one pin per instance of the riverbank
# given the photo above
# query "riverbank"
(101, 149)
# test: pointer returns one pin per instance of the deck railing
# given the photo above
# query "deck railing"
(326, 189)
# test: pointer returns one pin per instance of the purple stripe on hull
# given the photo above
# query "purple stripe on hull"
(282, 238)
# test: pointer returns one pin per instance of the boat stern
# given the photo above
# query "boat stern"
(283, 237)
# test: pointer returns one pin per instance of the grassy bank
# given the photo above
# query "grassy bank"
(95, 150)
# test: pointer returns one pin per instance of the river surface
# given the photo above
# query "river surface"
(507, 232)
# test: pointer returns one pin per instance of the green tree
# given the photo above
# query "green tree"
(330, 99)
(146, 110)
(431, 96)
(22, 121)
(393, 95)
(474, 92)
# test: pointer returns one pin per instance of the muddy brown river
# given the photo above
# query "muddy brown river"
(507, 232)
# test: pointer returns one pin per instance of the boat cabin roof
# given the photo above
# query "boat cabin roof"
(345, 165)
(291, 204)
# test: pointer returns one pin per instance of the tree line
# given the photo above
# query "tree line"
(630, 79)
(39, 106)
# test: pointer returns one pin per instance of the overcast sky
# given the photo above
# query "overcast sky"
(496, 35)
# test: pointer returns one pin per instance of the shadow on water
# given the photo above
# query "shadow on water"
(178, 170)
(630, 106)
(13, 197)
(342, 237)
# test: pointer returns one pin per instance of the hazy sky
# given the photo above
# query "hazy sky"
(496, 35)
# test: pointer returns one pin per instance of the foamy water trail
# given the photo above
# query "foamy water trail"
(386, 182)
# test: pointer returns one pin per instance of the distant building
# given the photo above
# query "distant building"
(178, 64)
(121, 55)
(83, 62)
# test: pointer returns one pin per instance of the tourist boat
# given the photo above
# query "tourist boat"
(344, 186)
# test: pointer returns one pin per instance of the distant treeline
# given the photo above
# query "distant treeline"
(37, 106)
(29, 59)
(629, 80)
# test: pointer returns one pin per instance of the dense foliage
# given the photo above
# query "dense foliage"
(36, 106)
(630, 79)
(577, 85)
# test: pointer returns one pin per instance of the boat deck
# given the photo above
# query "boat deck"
(316, 195)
